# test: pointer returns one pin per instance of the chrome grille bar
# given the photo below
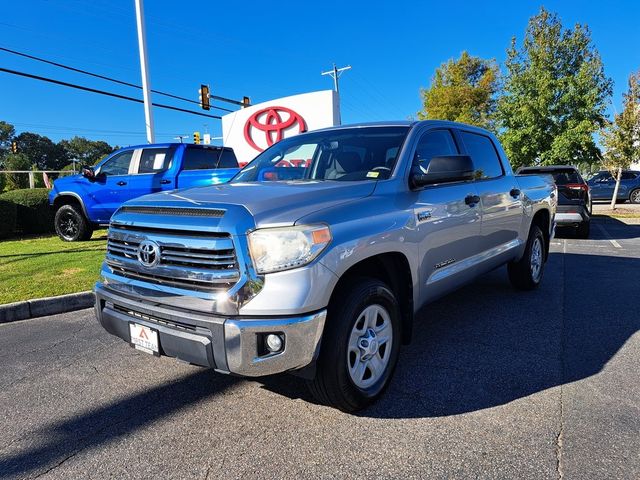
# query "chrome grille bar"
(187, 262)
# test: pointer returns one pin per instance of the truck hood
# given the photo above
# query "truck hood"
(270, 204)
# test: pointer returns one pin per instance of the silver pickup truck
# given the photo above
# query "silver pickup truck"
(316, 257)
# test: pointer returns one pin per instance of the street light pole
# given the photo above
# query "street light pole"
(144, 69)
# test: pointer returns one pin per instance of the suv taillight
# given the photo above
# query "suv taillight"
(577, 186)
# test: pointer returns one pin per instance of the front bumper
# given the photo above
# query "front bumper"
(227, 344)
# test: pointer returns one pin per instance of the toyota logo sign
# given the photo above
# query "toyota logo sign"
(148, 253)
(269, 126)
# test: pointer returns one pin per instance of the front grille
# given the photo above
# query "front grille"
(190, 212)
(186, 261)
(181, 256)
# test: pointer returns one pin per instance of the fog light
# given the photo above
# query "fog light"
(274, 342)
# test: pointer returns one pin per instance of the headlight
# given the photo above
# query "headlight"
(276, 249)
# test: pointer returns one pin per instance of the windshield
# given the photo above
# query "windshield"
(351, 154)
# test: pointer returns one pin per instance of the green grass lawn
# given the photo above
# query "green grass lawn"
(36, 267)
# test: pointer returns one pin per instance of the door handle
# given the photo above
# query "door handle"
(165, 182)
(471, 200)
(121, 183)
(515, 192)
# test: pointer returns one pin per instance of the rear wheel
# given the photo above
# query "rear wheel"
(360, 347)
(635, 196)
(71, 225)
(526, 273)
(582, 230)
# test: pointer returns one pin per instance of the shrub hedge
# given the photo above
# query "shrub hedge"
(34, 215)
(8, 214)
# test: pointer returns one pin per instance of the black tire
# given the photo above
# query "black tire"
(634, 196)
(333, 385)
(582, 230)
(71, 224)
(521, 273)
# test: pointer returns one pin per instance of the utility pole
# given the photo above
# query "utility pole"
(335, 74)
(144, 68)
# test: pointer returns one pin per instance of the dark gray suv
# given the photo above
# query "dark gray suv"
(574, 196)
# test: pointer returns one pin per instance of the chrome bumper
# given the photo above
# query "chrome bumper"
(568, 218)
(229, 345)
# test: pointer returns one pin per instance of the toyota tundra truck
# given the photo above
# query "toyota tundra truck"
(316, 257)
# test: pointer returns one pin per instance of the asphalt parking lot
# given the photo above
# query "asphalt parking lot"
(496, 384)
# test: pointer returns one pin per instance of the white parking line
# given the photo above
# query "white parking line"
(606, 234)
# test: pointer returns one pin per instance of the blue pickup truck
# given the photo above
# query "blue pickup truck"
(83, 202)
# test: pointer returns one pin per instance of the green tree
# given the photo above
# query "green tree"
(462, 90)
(41, 151)
(85, 151)
(17, 161)
(621, 138)
(7, 132)
(555, 95)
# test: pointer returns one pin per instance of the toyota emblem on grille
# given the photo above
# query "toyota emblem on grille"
(148, 253)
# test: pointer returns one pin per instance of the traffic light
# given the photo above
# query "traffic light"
(246, 101)
(204, 97)
(14, 147)
(196, 138)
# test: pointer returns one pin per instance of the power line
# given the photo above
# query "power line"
(55, 129)
(103, 92)
(115, 80)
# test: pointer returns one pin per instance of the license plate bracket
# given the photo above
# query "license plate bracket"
(145, 339)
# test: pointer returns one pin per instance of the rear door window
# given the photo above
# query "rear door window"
(603, 177)
(484, 155)
(154, 160)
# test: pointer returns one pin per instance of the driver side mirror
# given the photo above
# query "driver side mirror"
(88, 172)
(444, 169)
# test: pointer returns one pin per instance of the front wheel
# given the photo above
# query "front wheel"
(635, 196)
(71, 225)
(526, 273)
(360, 347)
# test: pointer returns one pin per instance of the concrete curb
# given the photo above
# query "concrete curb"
(39, 307)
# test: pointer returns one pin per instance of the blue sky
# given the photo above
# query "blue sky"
(265, 50)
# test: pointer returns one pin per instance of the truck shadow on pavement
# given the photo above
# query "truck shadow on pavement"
(487, 344)
(610, 228)
(58, 442)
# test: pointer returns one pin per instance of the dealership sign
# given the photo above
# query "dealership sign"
(252, 130)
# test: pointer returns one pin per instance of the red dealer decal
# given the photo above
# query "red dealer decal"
(269, 120)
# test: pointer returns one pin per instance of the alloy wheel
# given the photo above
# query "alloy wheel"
(369, 347)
